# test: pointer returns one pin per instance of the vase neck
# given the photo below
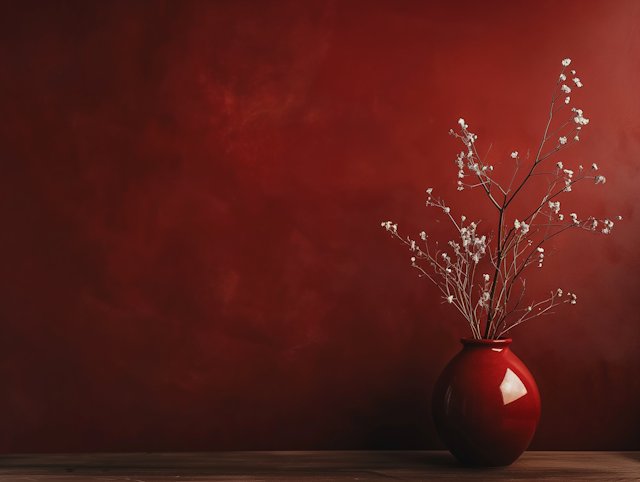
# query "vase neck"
(482, 343)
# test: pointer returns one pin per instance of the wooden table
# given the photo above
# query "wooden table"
(314, 466)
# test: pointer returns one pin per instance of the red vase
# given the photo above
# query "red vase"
(486, 404)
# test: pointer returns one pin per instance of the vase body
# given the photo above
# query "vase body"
(486, 404)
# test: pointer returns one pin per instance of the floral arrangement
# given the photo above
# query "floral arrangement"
(497, 297)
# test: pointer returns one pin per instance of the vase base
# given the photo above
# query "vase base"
(477, 466)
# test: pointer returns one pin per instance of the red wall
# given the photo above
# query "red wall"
(191, 194)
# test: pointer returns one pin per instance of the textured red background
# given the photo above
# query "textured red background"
(191, 194)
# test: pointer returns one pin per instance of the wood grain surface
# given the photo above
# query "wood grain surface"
(314, 466)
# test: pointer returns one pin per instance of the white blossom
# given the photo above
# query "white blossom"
(566, 62)
(579, 118)
(559, 165)
(516, 224)
(600, 179)
(429, 191)
(413, 260)
(423, 236)
(563, 77)
(450, 299)
(486, 277)
(567, 99)
(565, 89)
(514, 154)
(389, 226)
(594, 166)
(562, 140)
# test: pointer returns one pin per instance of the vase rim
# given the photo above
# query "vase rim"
(483, 342)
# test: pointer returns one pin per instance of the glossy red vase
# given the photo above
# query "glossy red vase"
(486, 404)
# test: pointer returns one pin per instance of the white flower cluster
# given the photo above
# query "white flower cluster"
(389, 226)
(469, 159)
(522, 226)
(485, 296)
(608, 226)
(568, 173)
(579, 118)
(473, 247)
(554, 208)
